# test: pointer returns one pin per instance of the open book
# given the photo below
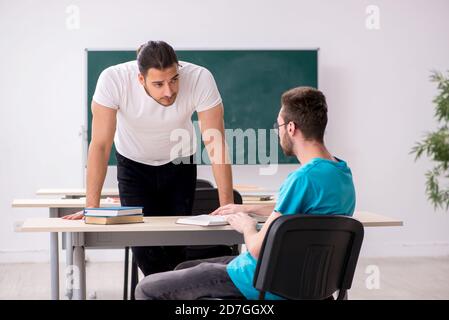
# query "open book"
(208, 220)
(203, 220)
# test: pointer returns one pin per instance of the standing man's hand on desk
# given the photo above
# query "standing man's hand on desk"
(75, 216)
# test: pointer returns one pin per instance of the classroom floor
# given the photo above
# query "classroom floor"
(399, 278)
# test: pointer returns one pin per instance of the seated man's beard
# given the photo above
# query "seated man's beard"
(287, 145)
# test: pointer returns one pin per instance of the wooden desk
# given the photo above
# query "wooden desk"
(166, 223)
(75, 204)
(154, 231)
(70, 193)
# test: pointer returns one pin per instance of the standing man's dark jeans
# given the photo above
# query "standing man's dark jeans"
(166, 190)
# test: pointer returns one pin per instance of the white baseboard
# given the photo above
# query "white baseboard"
(417, 249)
(36, 256)
(43, 256)
(422, 249)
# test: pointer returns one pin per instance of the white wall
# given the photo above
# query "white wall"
(376, 83)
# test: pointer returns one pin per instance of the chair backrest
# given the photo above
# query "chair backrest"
(201, 183)
(207, 200)
(309, 256)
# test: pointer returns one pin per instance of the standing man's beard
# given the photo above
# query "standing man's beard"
(172, 98)
(287, 145)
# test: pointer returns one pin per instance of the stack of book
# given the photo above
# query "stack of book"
(113, 215)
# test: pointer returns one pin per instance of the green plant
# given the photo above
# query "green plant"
(436, 146)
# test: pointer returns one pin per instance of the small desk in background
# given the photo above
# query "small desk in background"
(73, 193)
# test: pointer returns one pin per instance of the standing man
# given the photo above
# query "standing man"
(138, 105)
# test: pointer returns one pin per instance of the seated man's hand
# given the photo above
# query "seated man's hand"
(229, 209)
(241, 221)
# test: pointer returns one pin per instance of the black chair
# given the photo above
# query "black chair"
(309, 257)
(201, 183)
(206, 200)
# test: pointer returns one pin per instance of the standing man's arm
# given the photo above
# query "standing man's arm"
(103, 130)
(213, 134)
(104, 121)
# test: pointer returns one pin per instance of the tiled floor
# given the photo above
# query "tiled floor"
(385, 278)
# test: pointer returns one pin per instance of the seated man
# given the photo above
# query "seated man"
(322, 185)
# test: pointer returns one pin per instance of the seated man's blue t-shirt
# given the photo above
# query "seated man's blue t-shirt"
(320, 186)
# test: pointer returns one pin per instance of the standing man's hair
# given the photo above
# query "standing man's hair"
(307, 108)
(155, 54)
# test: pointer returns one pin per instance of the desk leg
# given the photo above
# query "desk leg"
(69, 264)
(79, 261)
(54, 259)
(54, 265)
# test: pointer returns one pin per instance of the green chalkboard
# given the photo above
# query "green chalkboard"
(251, 83)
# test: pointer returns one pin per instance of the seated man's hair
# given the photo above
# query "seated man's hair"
(307, 108)
(155, 54)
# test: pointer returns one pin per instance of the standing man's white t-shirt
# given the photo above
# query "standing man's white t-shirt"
(143, 125)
